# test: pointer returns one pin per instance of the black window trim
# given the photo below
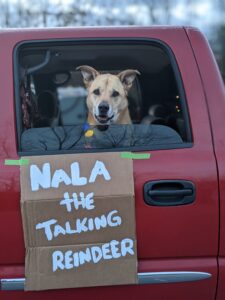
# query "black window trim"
(103, 41)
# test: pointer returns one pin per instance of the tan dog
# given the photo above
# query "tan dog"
(107, 96)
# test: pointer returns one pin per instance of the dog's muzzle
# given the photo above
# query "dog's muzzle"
(103, 108)
(103, 119)
(103, 113)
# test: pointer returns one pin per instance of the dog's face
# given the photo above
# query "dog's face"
(107, 94)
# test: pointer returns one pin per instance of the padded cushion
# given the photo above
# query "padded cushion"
(116, 136)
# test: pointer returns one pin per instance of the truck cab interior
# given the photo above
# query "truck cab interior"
(50, 93)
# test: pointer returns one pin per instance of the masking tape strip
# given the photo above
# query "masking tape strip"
(135, 155)
(16, 162)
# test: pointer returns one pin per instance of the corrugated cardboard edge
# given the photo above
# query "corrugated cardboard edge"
(47, 157)
(24, 217)
(36, 281)
(29, 238)
(38, 276)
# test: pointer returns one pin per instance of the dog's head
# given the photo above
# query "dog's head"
(107, 93)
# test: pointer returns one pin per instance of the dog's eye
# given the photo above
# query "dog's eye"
(96, 92)
(115, 94)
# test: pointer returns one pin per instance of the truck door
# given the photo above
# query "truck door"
(215, 95)
(176, 189)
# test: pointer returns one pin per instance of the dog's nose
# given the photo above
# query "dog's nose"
(103, 107)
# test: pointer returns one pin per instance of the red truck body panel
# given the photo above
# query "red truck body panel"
(169, 238)
(215, 96)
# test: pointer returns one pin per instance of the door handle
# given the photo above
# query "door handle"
(169, 192)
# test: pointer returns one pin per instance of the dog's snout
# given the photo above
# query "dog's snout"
(103, 107)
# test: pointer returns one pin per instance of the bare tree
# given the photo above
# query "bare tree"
(167, 6)
(152, 5)
(5, 13)
(219, 49)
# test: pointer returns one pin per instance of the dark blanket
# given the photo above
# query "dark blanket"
(116, 136)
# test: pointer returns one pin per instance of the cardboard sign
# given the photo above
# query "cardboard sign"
(79, 221)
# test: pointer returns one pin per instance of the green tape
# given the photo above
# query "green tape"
(135, 155)
(16, 162)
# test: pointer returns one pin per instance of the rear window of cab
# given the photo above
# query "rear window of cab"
(102, 95)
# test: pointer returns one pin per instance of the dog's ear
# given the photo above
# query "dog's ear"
(127, 77)
(88, 74)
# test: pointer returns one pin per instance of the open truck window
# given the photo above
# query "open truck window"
(51, 106)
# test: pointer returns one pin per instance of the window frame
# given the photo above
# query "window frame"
(102, 41)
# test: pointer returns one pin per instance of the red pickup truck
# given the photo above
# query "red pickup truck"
(177, 107)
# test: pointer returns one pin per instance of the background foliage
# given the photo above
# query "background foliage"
(207, 15)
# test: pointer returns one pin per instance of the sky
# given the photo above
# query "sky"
(203, 14)
(207, 15)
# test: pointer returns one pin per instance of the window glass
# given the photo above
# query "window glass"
(98, 96)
